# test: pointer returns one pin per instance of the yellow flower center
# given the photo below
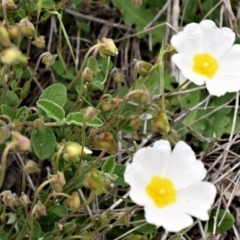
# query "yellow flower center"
(161, 191)
(205, 64)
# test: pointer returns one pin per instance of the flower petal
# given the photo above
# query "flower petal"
(183, 163)
(163, 146)
(170, 217)
(184, 62)
(227, 78)
(201, 194)
(216, 40)
(188, 40)
(137, 178)
(153, 160)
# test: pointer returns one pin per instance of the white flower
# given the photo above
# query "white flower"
(206, 54)
(169, 185)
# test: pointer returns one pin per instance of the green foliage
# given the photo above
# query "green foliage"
(109, 165)
(56, 93)
(51, 109)
(134, 16)
(47, 105)
(43, 142)
(77, 118)
(60, 210)
(220, 221)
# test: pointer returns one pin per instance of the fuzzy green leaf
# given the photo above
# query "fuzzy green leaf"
(95, 123)
(226, 223)
(109, 165)
(97, 84)
(77, 118)
(9, 111)
(56, 93)
(21, 113)
(134, 16)
(4, 235)
(52, 109)
(11, 99)
(43, 142)
(60, 210)
(119, 171)
(37, 231)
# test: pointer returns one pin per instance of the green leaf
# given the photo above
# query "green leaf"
(119, 171)
(92, 64)
(9, 111)
(56, 93)
(11, 99)
(225, 224)
(60, 210)
(47, 236)
(37, 231)
(21, 113)
(97, 84)
(21, 13)
(47, 4)
(134, 16)
(77, 118)
(4, 235)
(95, 123)
(52, 109)
(109, 165)
(20, 222)
(69, 226)
(43, 142)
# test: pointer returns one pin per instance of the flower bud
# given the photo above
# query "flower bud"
(22, 142)
(108, 49)
(49, 59)
(6, 195)
(9, 199)
(38, 124)
(88, 74)
(73, 151)
(39, 42)
(100, 220)
(136, 3)
(31, 167)
(9, 5)
(106, 104)
(74, 202)
(24, 199)
(136, 122)
(12, 56)
(4, 37)
(89, 113)
(39, 210)
(124, 218)
(141, 96)
(119, 77)
(4, 134)
(58, 181)
(27, 28)
(160, 121)
(17, 125)
(14, 30)
(143, 67)
(94, 180)
(105, 140)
